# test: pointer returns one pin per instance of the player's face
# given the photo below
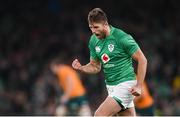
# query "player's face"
(53, 68)
(98, 29)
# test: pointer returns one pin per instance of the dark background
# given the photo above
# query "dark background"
(32, 32)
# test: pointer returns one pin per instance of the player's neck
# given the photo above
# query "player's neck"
(108, 30)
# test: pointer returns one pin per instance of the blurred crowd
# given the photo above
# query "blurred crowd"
(33, 32)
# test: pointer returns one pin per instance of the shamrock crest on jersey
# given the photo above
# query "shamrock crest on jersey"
(110, 47)
(105, 58)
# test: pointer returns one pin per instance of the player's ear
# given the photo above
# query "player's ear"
(106, 23)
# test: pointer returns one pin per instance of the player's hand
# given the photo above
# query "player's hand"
(76, 64)
(136, 90)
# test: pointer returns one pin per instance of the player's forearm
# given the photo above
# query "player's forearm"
(141, 70)
(69, 87)
(90, 68)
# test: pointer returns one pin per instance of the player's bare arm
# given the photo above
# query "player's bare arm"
(92, 67)
(141, 71)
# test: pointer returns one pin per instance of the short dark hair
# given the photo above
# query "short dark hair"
(56, 61)
(97, 15)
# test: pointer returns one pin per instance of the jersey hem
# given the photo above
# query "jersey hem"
(120, 81)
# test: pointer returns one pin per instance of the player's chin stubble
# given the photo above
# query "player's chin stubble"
(100, 35)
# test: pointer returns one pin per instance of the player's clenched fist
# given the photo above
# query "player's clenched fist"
(76, 64)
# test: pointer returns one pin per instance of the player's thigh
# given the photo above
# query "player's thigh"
(128, 112)
(108, 107)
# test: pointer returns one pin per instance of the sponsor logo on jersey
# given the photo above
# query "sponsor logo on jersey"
(105, 58)
(97, 48)
(109, 65)
(110, 47)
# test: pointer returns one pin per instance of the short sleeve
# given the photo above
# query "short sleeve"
(129, 44)
(91, 46)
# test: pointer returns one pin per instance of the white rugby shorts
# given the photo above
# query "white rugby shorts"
(121, 93)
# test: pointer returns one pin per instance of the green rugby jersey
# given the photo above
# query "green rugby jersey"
(114, 52)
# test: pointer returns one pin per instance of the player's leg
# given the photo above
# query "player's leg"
(108, 108)
(128, 112)
(84, 110)
(61, 110)
(122, 95)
